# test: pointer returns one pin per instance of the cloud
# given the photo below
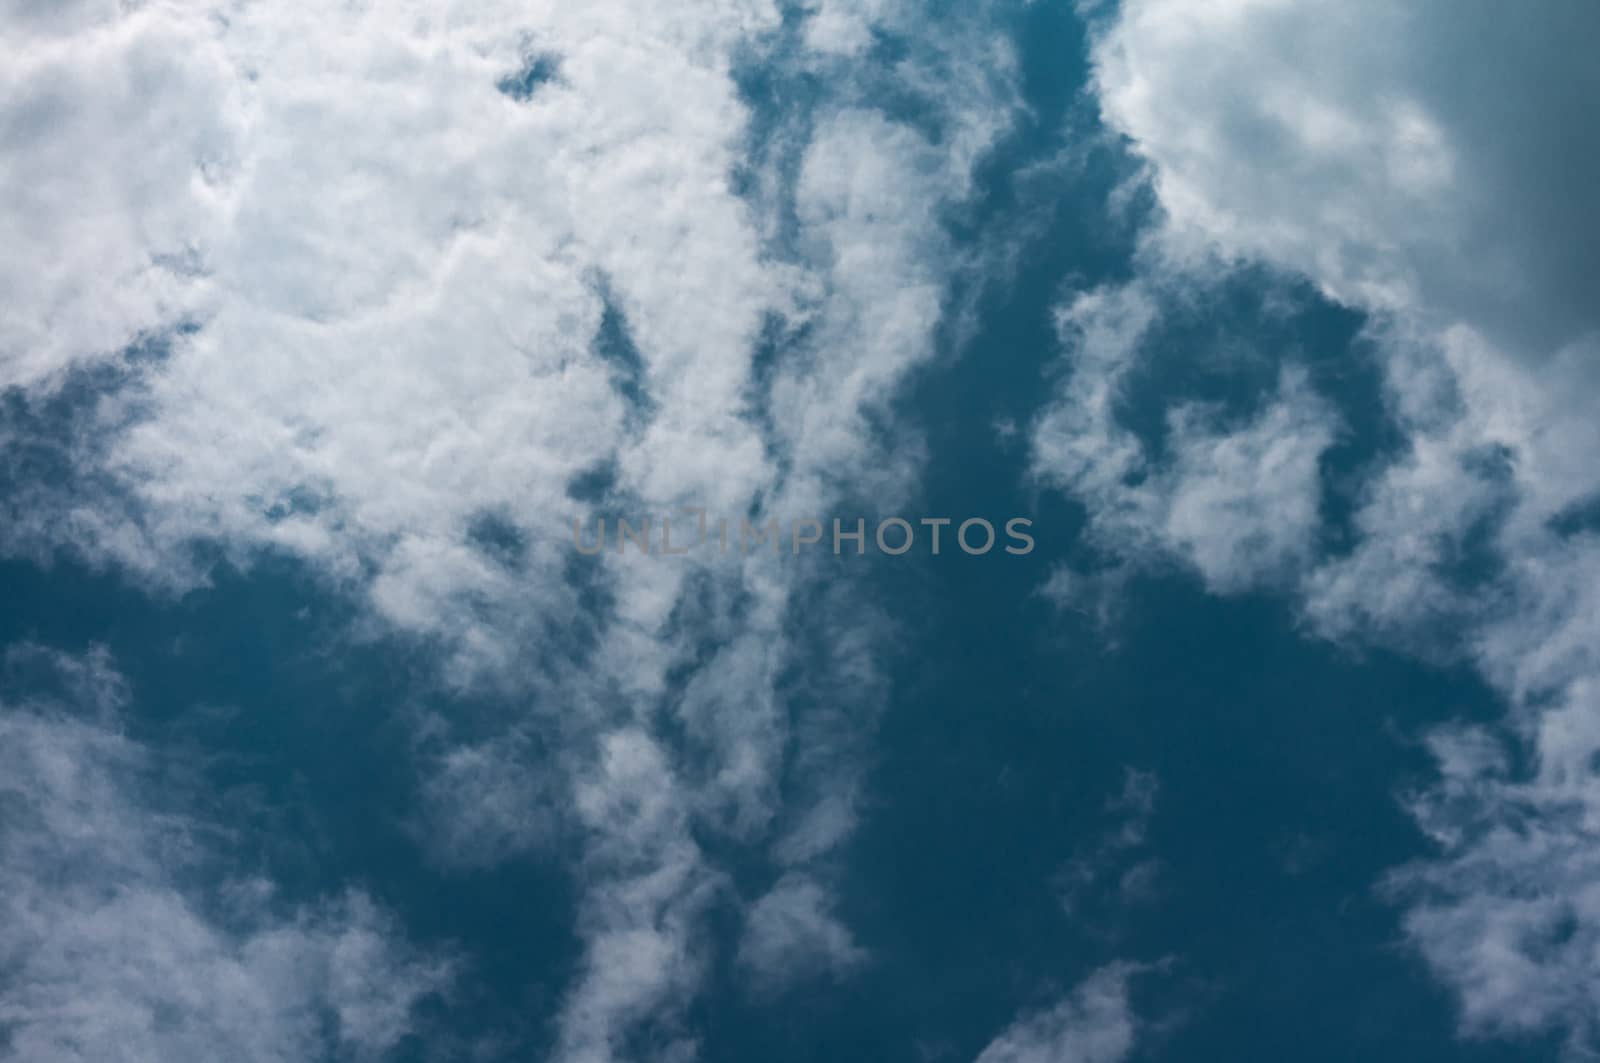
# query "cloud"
(1428, 166)
(1120, 856)
(100, 253)
(649, 888)
(1240, 505)
(482, 801)
(1400, 157)
(383, 289)
(400, 307)
(127, 935)
(1095, 1023)
(844, 28)
(791, 931)
(866, 191)
(1508, 914)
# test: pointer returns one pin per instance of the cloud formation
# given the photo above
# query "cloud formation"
(1429, 166)
(1094, 1023)
(405, 277)
(127, 934)
(1239, 505)
(792, 931)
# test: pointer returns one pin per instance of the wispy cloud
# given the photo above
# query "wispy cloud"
(129, 934)
(1095, 1023)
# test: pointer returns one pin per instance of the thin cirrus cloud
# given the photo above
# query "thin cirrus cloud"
(1430, 165)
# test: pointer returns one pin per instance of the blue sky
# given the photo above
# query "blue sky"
(319, 329)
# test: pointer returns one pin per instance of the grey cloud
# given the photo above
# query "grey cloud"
(1405, 158)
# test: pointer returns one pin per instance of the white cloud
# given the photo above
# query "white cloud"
(843, 28)
(397, 275)
(1239, 505)
(791, 931)
(402, 271)
(1095, 1023)
(1246, 502)
(1431, 165)
(115, 943)
(649, 889)
(1510, 914)
(99, 251)
(866, 193)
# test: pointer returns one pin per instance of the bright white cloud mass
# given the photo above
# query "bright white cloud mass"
(402, 282)
(399, 289)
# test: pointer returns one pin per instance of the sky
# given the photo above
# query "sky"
(333, 336)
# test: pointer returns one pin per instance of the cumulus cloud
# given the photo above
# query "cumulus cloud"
(1428, 165)
(1404, 158)
(403, 272)
(126, 934)
(1095, 1023)
(404, 276)
(99, 253)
